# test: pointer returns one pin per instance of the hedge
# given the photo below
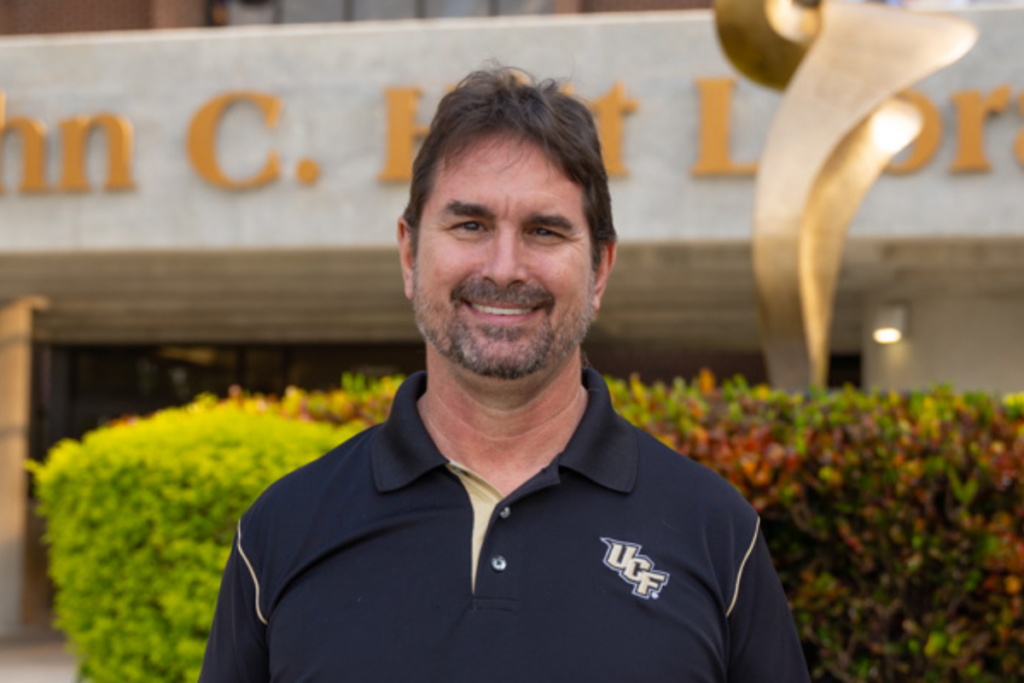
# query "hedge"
(896, 520)
(141, 517)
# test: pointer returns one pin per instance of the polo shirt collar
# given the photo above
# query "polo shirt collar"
(403, 450)
(603, 448)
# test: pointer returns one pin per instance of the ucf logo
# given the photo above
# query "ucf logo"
(634, 568)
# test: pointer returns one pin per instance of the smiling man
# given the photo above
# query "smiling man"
(504, 524)
(497, 315)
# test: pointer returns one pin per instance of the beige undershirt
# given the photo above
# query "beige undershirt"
(484, 497)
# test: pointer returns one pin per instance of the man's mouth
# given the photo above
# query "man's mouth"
(484, 296)
(491, 310)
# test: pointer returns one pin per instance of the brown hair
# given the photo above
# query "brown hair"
(502, 101)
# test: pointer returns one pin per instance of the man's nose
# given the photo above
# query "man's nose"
(506, 258)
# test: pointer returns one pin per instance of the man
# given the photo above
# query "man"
(504, 524)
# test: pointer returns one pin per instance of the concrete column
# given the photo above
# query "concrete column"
(15, 403)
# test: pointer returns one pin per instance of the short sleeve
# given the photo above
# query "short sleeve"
(764, 646)
(237, 650)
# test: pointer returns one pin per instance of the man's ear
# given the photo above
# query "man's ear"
(604, 269)
(406, 254)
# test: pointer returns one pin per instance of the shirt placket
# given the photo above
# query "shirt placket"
(501, 555)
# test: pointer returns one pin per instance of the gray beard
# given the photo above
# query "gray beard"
(453, 339)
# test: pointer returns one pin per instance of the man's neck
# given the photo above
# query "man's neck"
(504, 430)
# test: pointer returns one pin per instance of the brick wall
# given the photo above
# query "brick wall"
(177, 13)
(577, 6)
(62, 16)
(640, 5)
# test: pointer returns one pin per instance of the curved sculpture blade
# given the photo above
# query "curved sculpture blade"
(748, 36)
(823, 154)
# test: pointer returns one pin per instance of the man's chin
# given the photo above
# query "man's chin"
(498, 359)
(501, 369)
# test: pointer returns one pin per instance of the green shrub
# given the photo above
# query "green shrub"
(896, 520)
(141, 519)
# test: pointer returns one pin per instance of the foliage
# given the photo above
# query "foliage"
(141, 516)
(896, 520)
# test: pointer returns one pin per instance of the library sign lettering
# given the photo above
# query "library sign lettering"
(972, 108)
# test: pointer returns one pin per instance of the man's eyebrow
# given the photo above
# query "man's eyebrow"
(467, 209)
(554, 220)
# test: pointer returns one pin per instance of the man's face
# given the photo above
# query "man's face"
(502, 282)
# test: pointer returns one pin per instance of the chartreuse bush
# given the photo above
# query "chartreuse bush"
(896, 520)
(141, 519)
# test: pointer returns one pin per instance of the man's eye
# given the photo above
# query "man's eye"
(545, 233)
(470, 226)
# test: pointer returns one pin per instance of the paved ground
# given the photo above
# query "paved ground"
(36, 657)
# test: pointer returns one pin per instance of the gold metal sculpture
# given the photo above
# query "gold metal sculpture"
(841, 121)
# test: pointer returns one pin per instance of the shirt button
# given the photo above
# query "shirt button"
(505, 512)
(498, 563)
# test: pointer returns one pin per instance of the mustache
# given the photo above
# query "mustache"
(486, 292)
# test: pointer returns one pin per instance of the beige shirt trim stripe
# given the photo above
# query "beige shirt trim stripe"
(252, 573)
(484, 497)
(743, 565)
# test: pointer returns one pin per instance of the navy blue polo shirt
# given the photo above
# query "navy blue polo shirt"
(620, 561)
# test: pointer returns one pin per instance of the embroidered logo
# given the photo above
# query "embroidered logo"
(634, 568)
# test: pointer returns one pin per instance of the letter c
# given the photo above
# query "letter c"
(637, 569)
(202, 139)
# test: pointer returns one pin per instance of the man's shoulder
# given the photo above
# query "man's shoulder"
(696, 489)
(689, 514)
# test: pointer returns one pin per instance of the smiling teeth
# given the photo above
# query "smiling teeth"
(500, 311)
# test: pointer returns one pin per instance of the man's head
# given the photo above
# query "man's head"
(503, 102)
(507, 242)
